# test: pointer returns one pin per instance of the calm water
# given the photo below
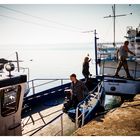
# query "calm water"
(52, 61)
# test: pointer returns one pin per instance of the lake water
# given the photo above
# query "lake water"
(52, 61)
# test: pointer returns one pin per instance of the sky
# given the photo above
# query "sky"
(63, 23)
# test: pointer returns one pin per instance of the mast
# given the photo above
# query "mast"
(114, 22)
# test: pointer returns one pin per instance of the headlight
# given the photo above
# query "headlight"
(9, 67)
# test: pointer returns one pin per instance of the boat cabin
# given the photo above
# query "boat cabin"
(12, 90)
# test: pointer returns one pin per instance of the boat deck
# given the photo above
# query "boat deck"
(109, 67)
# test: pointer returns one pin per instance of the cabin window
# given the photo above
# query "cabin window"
(10, 100)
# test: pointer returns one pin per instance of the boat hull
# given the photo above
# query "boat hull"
(90, 106)
(121, 86)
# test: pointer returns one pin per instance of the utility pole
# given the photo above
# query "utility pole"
(114, 15)
(95, 41)
(114, 22)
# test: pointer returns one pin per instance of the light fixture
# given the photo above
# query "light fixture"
(9, 67)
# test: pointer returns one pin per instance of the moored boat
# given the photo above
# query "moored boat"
(12, 89)
(89, 107)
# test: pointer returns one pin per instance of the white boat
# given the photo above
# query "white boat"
(108, 63)
(121, 86)
(12, 89)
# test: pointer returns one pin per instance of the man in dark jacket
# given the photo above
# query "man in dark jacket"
(85, 69)
(79, 90)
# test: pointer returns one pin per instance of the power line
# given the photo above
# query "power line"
(41, 18)
(38, 24)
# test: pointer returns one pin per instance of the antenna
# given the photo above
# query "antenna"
(114, 22)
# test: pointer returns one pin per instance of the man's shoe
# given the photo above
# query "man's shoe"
(116, 75)
(129, 77)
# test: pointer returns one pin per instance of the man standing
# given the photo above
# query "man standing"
(78, 90)
(123, 53)
(85, 70)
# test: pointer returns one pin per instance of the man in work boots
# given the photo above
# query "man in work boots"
(123, 53)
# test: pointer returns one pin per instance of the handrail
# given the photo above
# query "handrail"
(134, 70)
(88, 95)
(46, 124)
(42, 84)
(41, 118)
(99, 86)
(115, 68)
(48, 81)
(41, 79)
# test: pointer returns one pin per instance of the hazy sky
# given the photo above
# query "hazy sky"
(45, 24)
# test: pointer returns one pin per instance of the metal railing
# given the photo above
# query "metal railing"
(35, 130)
(135, 71)
(38, 83)
(82, 115)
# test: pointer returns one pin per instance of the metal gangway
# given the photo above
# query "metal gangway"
(36, 88)
(95, 93)
(30, 129)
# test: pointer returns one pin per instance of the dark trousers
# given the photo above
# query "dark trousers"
(123, 62)
(86, 77)
(74, 101)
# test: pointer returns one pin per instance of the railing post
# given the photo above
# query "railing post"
(83, 114)
(61, 82)
(135, 74)
(62, 125)
(33, 87)
(76, 119)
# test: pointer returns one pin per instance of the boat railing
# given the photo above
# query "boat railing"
(38, 85)
(82, 115)
(41, 127)
(133, 70)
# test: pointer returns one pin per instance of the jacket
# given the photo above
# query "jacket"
(79, 89)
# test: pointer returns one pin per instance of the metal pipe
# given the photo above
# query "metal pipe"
(33, 87)
(95, 41)
(41, 79)
(83, 114)
(61, 82)
(61, 125)
(17, 62)
(135, 69)
(114, 21)
(76, 119)
(41, 127)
